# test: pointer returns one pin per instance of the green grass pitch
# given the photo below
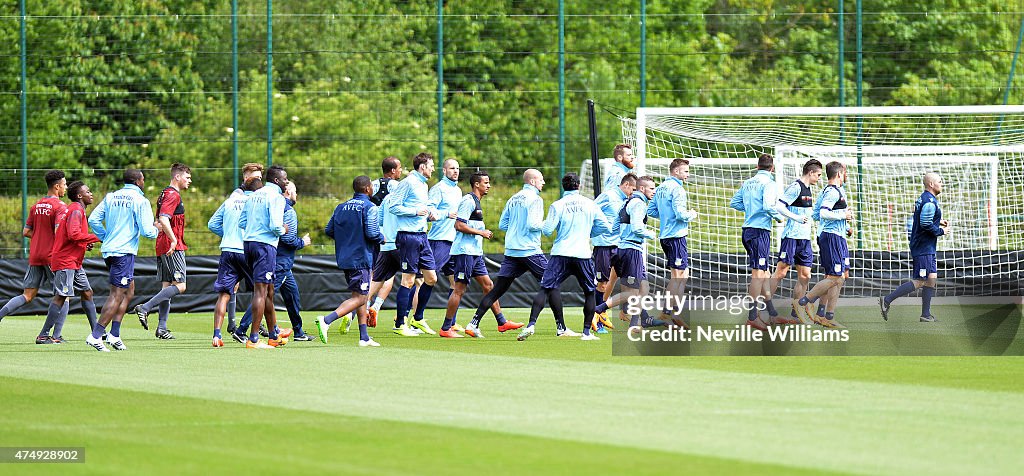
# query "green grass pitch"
(496, 406)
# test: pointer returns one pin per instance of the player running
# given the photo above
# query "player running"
(412, 208)
(387, 262)
(392, 170)
(670, 207)
(249, 170)
(925, 230)
(118, 221)
(231, 268)
(39, 229)
(797, 205)
(284, 280)
(71, 240)
(262, 220)
(468, 259)
(834, 213)
(623, 154)
(445, 197)
(756, 199)
(631, 265)
(353, 252)
(575, 219)
(522, 220)
(606, 244)
(170, 250)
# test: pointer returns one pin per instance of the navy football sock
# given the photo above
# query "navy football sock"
(926, 300)
(333, 316)
(403, 305)
(97, 331)
(424, 297)
(539, 300)
(902, 290)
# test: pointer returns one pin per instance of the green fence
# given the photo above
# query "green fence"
(92, 87)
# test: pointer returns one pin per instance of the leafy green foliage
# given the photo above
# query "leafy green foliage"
(144, 83)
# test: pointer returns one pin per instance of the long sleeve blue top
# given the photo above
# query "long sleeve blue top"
(576, 219)
(262, 215)
(633, 234)
(119, 220)
(756, 199)
(444, 197)
(224, 222)
(411, 196)
(669, 206)
(610, 202)
(522, 220)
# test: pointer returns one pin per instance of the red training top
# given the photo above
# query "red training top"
(41, 219)
(71, 238)
(169, 205)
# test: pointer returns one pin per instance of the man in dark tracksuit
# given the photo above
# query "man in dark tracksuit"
(354, 256)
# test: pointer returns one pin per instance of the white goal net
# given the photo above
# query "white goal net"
(979, 152)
